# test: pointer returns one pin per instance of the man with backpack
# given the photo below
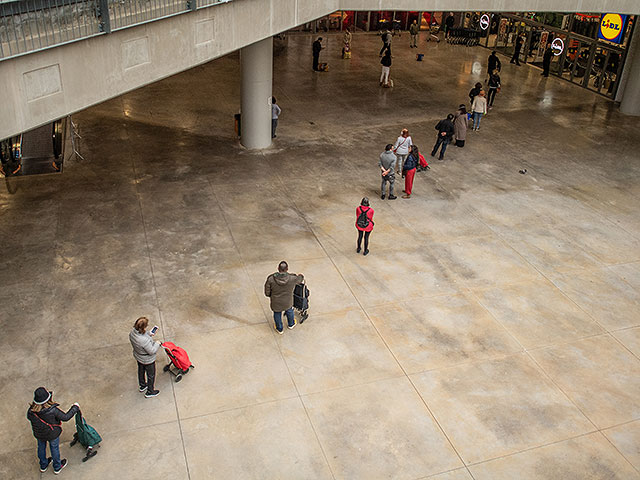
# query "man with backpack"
(279, 288)
(364, 224)
(386, 164)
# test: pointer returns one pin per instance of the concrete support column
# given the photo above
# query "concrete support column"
(257, 72)
(630, 102)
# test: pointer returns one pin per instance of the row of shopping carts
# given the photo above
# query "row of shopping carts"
(463, 36)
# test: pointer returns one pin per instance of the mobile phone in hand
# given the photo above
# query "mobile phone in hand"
(154, 330)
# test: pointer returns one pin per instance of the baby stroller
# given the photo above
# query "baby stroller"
(87, 436)
(179, 359)
(301, 301)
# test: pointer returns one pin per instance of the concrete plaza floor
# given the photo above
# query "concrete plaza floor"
(492, 333)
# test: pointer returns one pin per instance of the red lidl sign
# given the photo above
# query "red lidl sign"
(611, 27)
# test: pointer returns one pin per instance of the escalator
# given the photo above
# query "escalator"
(37, 151)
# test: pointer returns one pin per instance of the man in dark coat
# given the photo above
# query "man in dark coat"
(279, 288)
(449, 23)
(445, 133)
(546, 60)
(516, 51)
(493, 63)
(317, 46)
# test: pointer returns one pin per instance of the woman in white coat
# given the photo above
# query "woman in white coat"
(402, 147)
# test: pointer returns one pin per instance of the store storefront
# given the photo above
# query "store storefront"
(589, 50)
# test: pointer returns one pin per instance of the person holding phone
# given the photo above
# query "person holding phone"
(144, 351)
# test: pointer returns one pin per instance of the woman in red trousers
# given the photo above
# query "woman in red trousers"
(409, 170)
(364, 224)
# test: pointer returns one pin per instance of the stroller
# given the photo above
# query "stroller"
(87, 436)
(301, 301)
(179, 359)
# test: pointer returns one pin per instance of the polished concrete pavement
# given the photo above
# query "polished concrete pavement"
(492, 333)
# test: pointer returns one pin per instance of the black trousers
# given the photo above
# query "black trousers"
(545, 68)
(316, 58)
(516, 57)
(444, 141)
(366, 239)
(492, 96)
(150, 371)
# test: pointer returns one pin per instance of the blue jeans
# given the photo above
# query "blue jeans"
(476, 119)
(54, 446)
(277, 316)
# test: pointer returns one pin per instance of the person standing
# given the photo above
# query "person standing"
(493, 63)
(409, 171)
(275, 113)
(317, 47)
(46, 422)
(401, 148)
(364, 224)
(460, 123)
(144, 351)
(448, 23)
(386, 68)
(478, 109)
(279, 288)
(386, 163)
(445, 133)
(346, 42)
(516, 50)
(494, 87)
(473, 93)
(546, 60)
(386, 42)
(414, 29)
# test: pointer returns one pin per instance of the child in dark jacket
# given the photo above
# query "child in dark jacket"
(46, 422)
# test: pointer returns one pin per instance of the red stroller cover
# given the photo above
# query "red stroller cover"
(177, 355)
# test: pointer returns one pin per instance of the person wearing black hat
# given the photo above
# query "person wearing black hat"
(46, 422)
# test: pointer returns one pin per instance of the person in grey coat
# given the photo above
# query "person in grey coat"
(279, 288)
(460, 124)
(386, 164)
(144, 351)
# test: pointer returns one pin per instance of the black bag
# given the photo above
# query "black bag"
(301, 300)
(363, 220)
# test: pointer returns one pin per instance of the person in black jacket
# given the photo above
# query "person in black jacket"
(473, 93)
(516, 51)
(445, 133)
(493, 63)
(546, 60)
(46, 422)
(494, 86)
(386, 68)
(317, 46)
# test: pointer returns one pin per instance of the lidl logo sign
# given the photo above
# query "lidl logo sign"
(611, 27)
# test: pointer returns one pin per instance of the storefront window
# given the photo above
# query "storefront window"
(586, 24)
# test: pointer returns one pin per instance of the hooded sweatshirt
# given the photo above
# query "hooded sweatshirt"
(144, 347)
(387, 161)
(279, 288)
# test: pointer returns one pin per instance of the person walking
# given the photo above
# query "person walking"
(409, 171)
(516, 51)
(316, 48)
(346, 42)
(275, 113)
(493, 63)
(546, 60)
(144, 351)
(401, 148)
(386, 68)
(387, 163)
(478, 109)
(364, 224)
(460, 122)
(279, 288)
(414, 29)
(445, 133)
(473, 93)
(494, 87)
(46, 422)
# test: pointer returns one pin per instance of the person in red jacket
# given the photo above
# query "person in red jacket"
(364, 224)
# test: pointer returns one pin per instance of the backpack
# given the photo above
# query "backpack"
(363, 220)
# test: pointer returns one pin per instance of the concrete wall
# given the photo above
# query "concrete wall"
(50, 84)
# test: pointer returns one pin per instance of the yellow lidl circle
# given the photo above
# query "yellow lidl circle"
(611, 26)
